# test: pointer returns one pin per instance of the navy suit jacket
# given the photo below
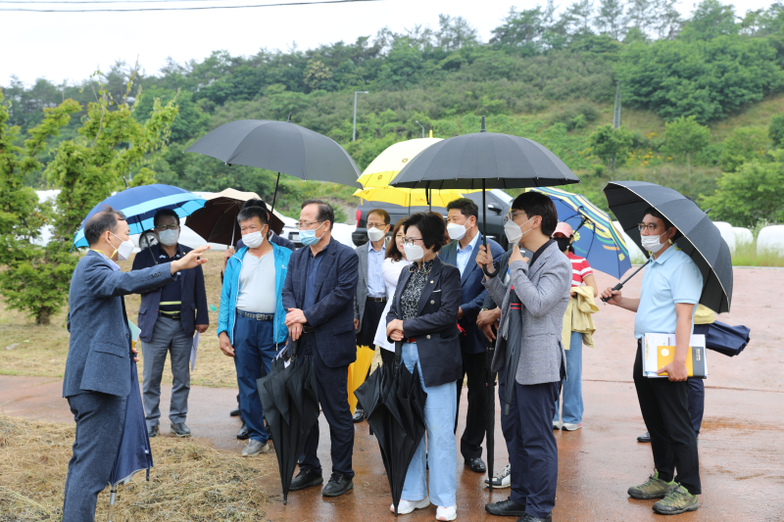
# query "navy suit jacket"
(473, 292)
(435, 326)
(333, 313)
(193, 309)
(99, 353)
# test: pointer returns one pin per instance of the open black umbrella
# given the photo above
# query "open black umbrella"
(288, 395)
(395, 405)
(280, 146)
(485, 160)
(700, 239)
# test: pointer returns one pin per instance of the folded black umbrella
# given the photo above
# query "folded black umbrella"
(723, 338)
(701, 240)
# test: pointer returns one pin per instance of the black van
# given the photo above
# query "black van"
(498, 204)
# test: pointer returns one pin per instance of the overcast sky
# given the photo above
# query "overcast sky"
(71, 46)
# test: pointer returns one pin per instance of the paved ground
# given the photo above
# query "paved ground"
(741, 450)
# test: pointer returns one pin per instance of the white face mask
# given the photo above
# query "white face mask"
(414, 252)
(253, 239)
(652, 243)
(125, 249)
(456, 231)
(375, 234)
(169, 237)
(513, 232)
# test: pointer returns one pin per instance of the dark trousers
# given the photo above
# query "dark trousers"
(99, 424)
(665, 409)
(332, 387)
(254, 349)
(533, 452)
(474, 433)
(696, 402)
(370, 319)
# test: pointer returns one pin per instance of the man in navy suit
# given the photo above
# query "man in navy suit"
(319, 297)
(168, 318)
(462, 216)
(97, 377)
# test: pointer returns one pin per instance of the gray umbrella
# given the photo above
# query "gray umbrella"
(701, 239)
(282, 147)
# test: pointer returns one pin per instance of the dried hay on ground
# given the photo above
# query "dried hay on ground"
(190, 482)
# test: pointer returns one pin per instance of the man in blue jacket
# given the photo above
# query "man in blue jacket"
(251, 321)
(319, 297)
(168, 318)
(462, 216)
(97, 376)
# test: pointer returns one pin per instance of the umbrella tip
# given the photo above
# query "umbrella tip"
(483, 125)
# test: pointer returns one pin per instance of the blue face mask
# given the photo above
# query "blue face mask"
(308, 237)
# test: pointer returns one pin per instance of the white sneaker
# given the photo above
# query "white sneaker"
(407, 506)
(556, 425)
(502, 479)
(571, 427)
(254, 448)
(446, 513)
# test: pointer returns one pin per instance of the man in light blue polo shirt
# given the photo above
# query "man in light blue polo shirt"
(671, 288)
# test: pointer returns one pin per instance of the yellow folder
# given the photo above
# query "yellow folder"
(695, 358)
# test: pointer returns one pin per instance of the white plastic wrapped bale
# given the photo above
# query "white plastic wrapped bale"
(725, 229)
(771, 239)
(637, 255)
(742, 235)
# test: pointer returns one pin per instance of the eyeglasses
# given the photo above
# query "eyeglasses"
(513, 215)
(411, 240)
(379, 226)
(650, 226)
(164, 228)
(306, 225)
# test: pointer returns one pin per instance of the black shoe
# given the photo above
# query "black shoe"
(244, 433)
(180, 429)
(306, 479)
(646, 437)
(359, 415)
(152, 431)
(529, 518)
(234, 413)
(476, 465)
(337, 485)
(505, 508)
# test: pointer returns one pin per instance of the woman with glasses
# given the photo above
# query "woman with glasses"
(423, 318)
(394, 263)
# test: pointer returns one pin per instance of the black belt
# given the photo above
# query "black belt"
(308, 329)
(175, 317)
(377, 299)
(257, 317)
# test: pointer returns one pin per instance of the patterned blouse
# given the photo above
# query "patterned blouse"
(409, 299)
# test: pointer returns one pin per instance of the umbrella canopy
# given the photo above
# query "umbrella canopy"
(723, 338)
(409, 197)
(387, 164)
(357, 372)
(701, 240)
(395, 405)
(290, 400)
(216, 222)
(134, 454)
(595, 237)
(280, 146)
(139, 204)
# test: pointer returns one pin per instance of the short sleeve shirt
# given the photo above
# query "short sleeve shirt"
(667, 281)
(580, 269)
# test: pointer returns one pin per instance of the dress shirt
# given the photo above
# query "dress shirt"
(464, 254)
(375, 278)
(312, 277)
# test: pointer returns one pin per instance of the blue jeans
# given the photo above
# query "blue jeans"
(254, 348)
(573, 384)
(440, 412)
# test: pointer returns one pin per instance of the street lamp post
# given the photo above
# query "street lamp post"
(354, 135)
(423, 127)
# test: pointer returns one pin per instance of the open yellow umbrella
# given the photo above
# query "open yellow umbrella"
(357, 372)
(409, 197)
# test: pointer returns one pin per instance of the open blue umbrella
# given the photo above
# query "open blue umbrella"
(595, 238)
(135, 453)
(139, 204)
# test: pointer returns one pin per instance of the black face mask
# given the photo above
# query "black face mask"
(563, 243)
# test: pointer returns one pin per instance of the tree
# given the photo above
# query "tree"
(640, 14)
(609, 18)
(579, 16)
(685, 137)
(454, 33)
(710, 20)
(611, 146)
(744, 144)
(751, 193)
(776, 130)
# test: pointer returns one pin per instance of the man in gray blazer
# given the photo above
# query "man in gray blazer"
(371, 297)
(534, 302)
(98, 368)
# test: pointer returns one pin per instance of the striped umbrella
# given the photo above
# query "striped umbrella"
(139, 204)
(595, 238)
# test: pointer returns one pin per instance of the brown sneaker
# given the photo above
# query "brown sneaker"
(654, 487)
